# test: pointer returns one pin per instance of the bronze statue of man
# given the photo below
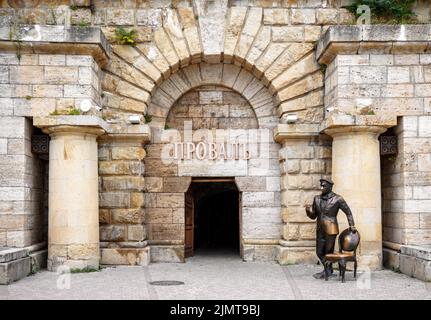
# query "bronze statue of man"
(325, 208)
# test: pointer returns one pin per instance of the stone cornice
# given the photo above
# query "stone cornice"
(337, 123)
(56, 40)
(295, 131)
(111, 131)
(376, 39)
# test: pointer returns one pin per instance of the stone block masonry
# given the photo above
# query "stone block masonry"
(44, 84)
(21, 185)
(122, 217)
(303, 161)
(379, 83)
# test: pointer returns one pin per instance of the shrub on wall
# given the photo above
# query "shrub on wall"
(387, 11)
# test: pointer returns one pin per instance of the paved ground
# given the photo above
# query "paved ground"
(215, 277)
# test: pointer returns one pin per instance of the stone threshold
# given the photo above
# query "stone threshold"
(18, 263)
(415, 261)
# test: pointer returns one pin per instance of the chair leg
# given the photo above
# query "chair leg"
(355, 268)
(326, 269)
(342, 270)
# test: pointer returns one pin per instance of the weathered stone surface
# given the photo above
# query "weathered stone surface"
(295, 255)
(123, 183)
(113, 233)
(122, 256)
(167, 253)
(211, 18)
(14, 270)
(249, 31)
(127, 216)
(120, 167)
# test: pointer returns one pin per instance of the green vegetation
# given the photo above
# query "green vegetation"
(28, 97)
(71, 111)
(74, 112)
(84, 24)
(148, 118)
(126, 37)
(84, 270)
(14, 36)
(323, 68)
(73, 7)
(387, 11)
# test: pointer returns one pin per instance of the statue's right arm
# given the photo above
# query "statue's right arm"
(311, 212)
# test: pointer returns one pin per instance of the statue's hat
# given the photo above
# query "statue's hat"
(327, 180)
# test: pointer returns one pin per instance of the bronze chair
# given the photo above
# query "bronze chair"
(348, 242)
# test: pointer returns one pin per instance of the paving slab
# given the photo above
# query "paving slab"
(216, 277)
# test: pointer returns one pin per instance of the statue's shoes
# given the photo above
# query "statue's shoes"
(319, 275)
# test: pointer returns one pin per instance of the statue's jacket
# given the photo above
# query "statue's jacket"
(325, 209)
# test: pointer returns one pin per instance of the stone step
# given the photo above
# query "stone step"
(14, 270)
(39, 260)
(11, 254)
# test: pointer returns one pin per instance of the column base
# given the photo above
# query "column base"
(75, 257)
(296, 252)
(125, 256)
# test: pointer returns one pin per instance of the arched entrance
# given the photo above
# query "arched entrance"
(212, 121)
(212, 217)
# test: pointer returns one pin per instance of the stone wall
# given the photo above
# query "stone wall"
(44, 84)
(121, 214)
(398, 84)
(379, 83)
(303, 162)
(34, 85)
(213, 107)
(384, 84)
(21, 179)
(406, 180)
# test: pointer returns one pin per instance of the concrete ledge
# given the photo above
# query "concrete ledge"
(296, 255)
(125, 256)
(376, 39)
(295, 131)
(84, 121)
(15, 270)
(10, 254)
(299, 243)
(391, 259)
(260, 252)
(57, 40)
(415, 261)
(167, 253)
(345, 120)
(113, 131)
(39, 260)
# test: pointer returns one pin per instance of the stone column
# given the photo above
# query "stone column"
(356, 176)
(304, 159)
(73, 226)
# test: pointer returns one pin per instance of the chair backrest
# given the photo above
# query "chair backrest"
(348, 240)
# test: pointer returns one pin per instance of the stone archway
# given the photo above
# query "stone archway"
(213, 44)
(217, 97)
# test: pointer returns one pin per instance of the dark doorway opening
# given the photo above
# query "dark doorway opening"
(214, 209)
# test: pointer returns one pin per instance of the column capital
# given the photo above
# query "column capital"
(339, 124)
(68, 129)
(63, 124)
